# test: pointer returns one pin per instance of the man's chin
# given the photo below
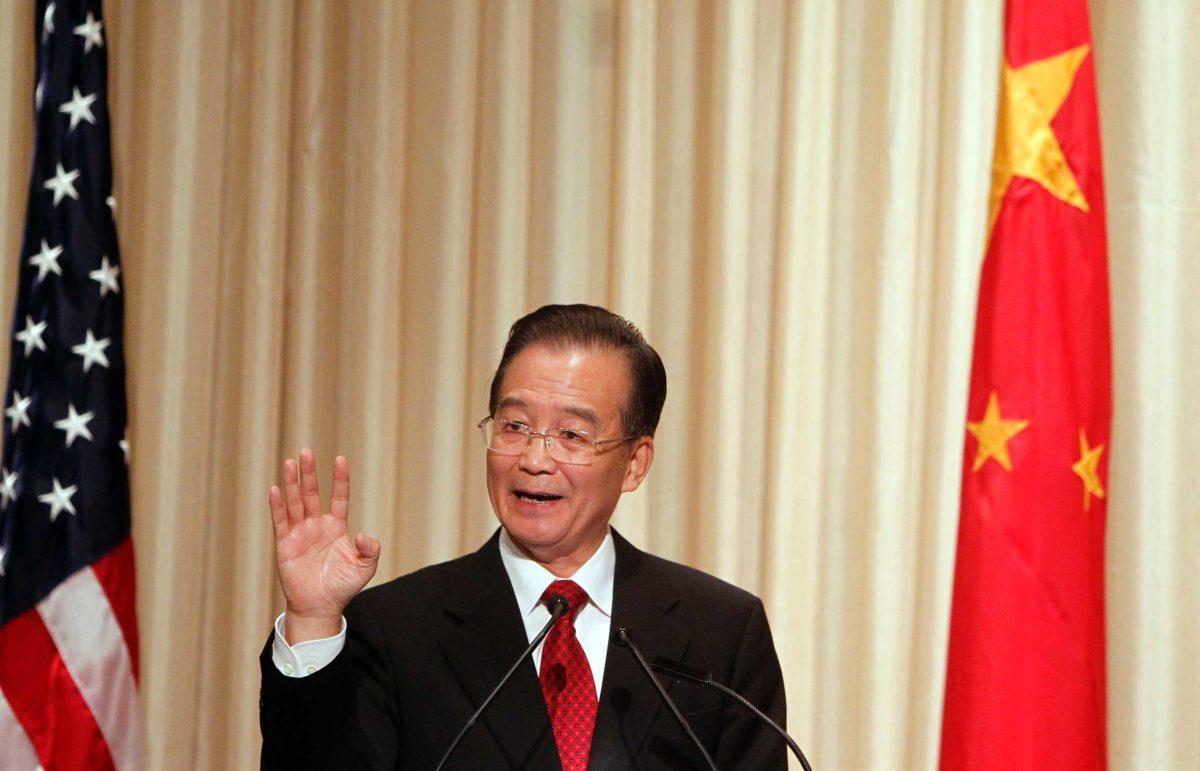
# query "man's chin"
(534, 534)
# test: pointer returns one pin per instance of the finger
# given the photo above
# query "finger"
(339, 503)
(368, 547)
(278, 514)
(291, 492)
(308, 484)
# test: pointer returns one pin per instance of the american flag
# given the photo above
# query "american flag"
(68, 628)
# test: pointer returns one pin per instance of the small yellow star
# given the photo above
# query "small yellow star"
(993, 433)
(1085, 467)
(1026, 146)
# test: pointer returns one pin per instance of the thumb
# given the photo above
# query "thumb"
(368, 547)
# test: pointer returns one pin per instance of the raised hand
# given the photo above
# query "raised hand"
(320, 568)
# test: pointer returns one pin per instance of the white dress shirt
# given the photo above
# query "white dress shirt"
(529, 580)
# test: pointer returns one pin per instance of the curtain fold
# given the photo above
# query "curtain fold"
(330, 213)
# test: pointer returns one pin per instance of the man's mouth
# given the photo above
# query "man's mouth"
(536, 497)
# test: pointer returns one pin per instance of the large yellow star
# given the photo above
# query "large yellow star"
(993, 433)
(1025, 144)
(1085, 467)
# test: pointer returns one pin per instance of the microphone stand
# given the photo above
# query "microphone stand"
(679, 671)
(558, 607)
(624, 639)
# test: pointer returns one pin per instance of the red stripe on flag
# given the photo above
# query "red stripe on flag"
(45, 699)
(116, 572)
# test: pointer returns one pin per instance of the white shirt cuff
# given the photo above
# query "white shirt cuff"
(307, 657)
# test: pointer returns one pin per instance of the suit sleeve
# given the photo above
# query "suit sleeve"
(342, 716)
(744, 741)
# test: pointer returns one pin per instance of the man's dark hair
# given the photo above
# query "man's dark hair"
(592, 327)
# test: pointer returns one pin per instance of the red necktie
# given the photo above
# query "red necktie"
(567, 683)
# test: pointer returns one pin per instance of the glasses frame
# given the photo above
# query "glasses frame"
(546, 438)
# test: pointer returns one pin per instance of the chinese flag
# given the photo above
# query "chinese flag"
(1025, 674)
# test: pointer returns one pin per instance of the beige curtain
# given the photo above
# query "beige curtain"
(331, 212)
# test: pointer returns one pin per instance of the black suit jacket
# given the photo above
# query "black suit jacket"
(423, 650)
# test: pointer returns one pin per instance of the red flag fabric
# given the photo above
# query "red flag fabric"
(1025, 681)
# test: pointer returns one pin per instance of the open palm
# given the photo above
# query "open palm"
(320, 568)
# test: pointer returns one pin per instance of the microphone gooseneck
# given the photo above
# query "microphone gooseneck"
(623, 639)
(678, 671)
(558, 606)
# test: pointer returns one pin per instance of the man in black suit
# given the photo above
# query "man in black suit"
(385, 678)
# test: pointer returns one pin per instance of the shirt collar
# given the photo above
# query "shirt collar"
(529, 579)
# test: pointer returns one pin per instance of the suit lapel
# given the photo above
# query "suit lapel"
(628, 702)
(487, 635)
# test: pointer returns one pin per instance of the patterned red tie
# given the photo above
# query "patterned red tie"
(567, 683)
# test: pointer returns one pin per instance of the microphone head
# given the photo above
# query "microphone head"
(558, 605)
(622, 637)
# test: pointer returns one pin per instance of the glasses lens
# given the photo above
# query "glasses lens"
(570, 446)
(504, 437)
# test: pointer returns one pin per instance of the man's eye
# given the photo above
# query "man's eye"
(511, 426)
(567, 435)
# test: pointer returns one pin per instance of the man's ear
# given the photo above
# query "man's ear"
(640, 458)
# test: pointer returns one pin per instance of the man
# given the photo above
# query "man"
(386, 678)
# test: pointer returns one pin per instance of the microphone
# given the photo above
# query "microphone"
(558, 607)
(678, 671)
(623, 639)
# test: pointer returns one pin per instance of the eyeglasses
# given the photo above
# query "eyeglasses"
(565, 445)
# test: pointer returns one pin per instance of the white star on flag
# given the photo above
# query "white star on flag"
(75, 424)
(8, 487)
(46, 261)
(79, 107)
(124, 445)
(63, 184)
(59, 498)
(112, 203)
(90, 32)
(92, 351)
(19, 411)
(48, 21)
(31, 336)
(106, 276)
(37, 95)
(3, 554)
